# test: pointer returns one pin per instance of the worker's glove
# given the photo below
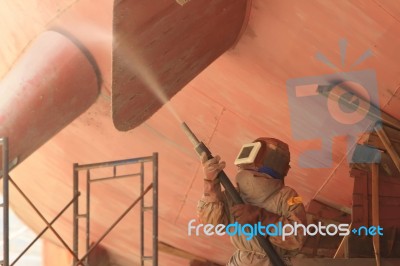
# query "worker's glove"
(211, 167)
(250, 214)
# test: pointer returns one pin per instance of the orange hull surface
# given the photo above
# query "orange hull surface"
(239, 97)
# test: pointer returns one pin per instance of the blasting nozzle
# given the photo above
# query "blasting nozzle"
(192, 137)
(198, 145)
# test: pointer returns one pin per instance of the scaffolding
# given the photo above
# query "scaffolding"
(5, 204)
(90, 180)
(84, 260)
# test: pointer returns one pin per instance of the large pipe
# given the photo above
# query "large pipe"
(53, 82)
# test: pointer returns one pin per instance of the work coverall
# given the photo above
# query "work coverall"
(265, 192)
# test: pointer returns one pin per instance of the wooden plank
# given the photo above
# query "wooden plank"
(391, 240)
(375, 211)
(364, 183)
(388, 146)
(372, 138)
(324, 212)
(387, 168)
(389, 197)
(357, 219)
(389, 186)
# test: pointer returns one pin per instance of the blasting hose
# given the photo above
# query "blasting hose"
(200, 147)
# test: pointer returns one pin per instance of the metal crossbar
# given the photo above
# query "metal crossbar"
(6, 218)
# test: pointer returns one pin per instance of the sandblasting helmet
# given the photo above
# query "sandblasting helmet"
(267, 155)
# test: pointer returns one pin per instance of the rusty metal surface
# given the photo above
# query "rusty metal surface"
(51, 85)
(158, 54)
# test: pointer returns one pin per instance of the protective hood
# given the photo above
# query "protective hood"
(255, 188)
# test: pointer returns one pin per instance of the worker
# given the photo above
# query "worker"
(262, 166)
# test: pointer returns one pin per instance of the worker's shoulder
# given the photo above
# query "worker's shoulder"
(291, 199)
(288, 191)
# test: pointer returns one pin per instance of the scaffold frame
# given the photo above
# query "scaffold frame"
(75, 203)
(154, 185)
